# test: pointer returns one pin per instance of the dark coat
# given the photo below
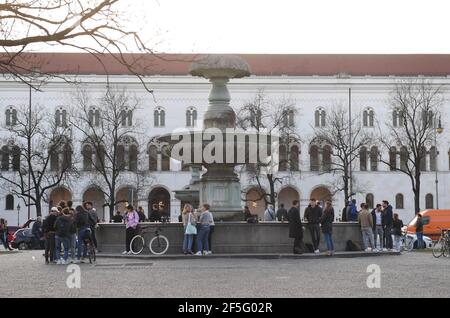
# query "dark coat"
(295, 223)
(327, 220)
(282, 214)
(397, 227)
(313, 214)
(419, 225)
(374, 218)
(388, 216)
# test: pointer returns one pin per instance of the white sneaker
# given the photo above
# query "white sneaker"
(368, 249)
(316, 252)
(384, 249)
(124, 253)
(130, 253)
(208, 253)
(59, 262)
(198, 253)
(63, 262)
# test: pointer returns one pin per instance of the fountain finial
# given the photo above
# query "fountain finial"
(219, 66)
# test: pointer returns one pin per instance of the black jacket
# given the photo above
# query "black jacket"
(419, 225)
(313, 215)
(49, 223)
(63, 225)
(397, 227)
(282, 214)
(374, 218)
(117, 218)
(388, 216)
(82, 218)
(327, 220)
(295, 223)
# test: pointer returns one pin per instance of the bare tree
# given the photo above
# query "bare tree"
(97, 27)
(40, 155)
(274, 118)
(344, 137)
(107, 130)
(414, 106)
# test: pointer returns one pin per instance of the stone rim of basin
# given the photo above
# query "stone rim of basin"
(217, 65)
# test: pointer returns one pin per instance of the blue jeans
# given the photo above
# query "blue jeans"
(66, 243)
(202, 239)
(329, 240)
(81, 245)
(187, 242)
(73, 245)
(420, 242)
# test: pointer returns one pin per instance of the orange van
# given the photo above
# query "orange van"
(433, 222)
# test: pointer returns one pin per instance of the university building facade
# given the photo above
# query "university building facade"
(314, 84)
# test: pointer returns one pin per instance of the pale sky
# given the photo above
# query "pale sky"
(283, 26)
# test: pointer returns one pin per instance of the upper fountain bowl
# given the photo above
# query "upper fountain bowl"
(219, 66)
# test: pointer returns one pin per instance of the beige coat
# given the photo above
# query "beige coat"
(186, 218)
(365, 218)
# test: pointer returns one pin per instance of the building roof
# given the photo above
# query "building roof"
(261, 64)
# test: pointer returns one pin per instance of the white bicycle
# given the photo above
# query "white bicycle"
(158, 244)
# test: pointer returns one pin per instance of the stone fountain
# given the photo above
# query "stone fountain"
(219, 185)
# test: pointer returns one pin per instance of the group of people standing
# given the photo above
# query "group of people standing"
(319, 220)
(4, 234)
(65, 230)
(198, 230)
(379, 226)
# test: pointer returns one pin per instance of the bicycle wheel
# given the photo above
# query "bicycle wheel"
(407, 244)
(445, 249)
(159, 245)
(438, 248)
(137, 244)
(92, 257)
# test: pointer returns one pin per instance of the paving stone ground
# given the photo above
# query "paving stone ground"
(24, 274)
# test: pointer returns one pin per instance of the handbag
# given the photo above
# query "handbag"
(190, 229)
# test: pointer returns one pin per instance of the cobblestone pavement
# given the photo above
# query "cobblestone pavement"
(24, 274)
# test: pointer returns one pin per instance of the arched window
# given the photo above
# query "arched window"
(374, 158)
(397, 118)
(399, 201)
(314, 158)
(120, 157)
(403, 158)
(370, 200)
(100, 160)
(153, 158)
(87, 157)
(61, 117)
(319, 117)
(15, 158)
(423, 159)
(4, 158)
(368, 117)
(289, 118)
(283, 163)
(429, 201)
(159, 117)
(427, 118)
(191, 117)
(94, 117)
(393, 158)
(133, 157)
(293, 158)
(9, 202)
(11, 116)
(326, 158)
(126, 117)
(433, 156)
(363, 159)
(165, 159)
(67, 156)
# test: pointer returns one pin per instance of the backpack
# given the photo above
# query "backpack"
(352, 246)
(309, 248)
(63, 226)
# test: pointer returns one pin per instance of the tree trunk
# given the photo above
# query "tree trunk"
(272, 192)
(38, 207)
(112, 200)
(417, 194)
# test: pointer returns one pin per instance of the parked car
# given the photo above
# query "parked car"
(412, 237)
(23, 239)
(433, 222)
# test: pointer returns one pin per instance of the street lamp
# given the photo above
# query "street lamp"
(437, 130)
(18, 214)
